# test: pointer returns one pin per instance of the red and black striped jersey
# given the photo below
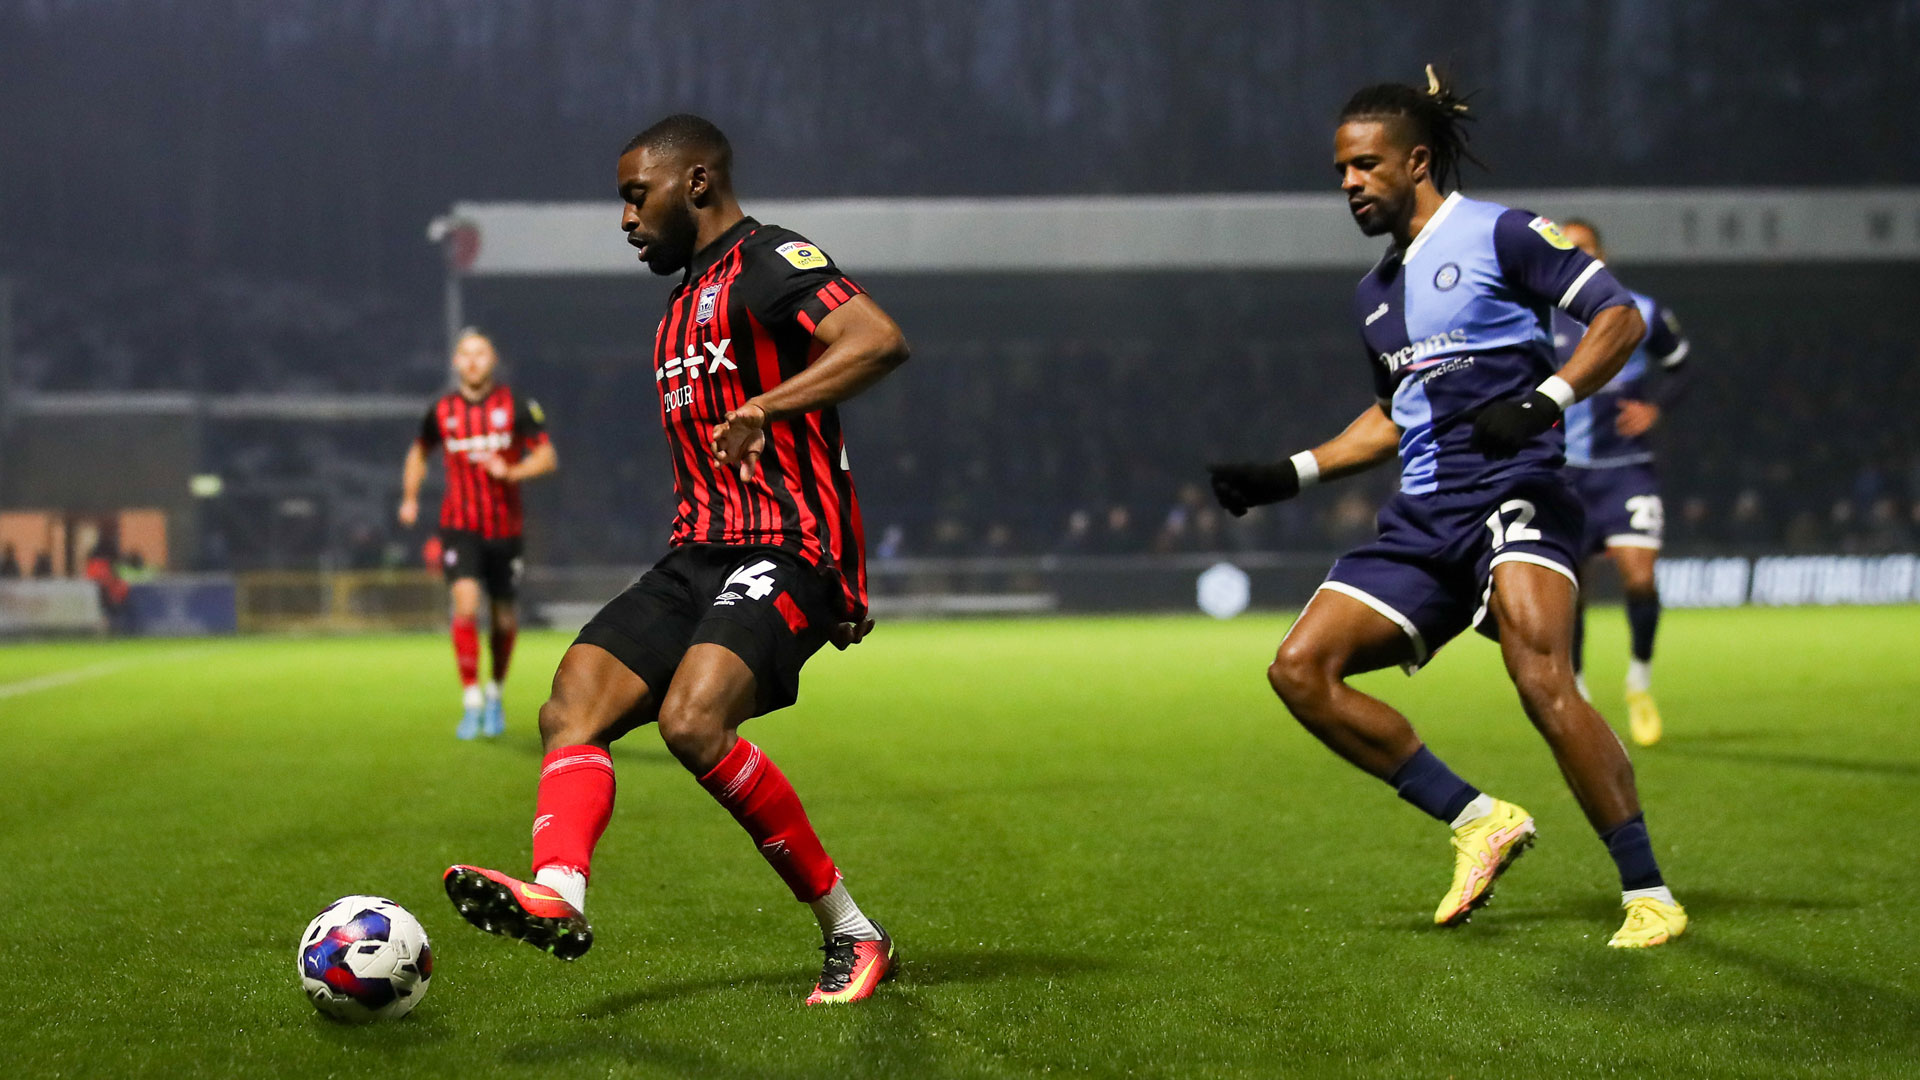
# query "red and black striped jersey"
(471, 432)
(741, 322)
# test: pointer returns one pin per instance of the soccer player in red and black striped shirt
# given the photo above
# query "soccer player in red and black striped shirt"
(763, 337)
(493, 441)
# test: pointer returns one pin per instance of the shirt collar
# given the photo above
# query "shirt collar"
(704, 259)
(1432, 226)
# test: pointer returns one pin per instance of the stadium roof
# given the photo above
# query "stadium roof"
(1202, 232)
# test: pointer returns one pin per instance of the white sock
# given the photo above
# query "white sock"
(1580, 684)
(493, 690)
(838, 914)
(1480, 807)
(1639, 676)
(569, 883)
(1661, 893)
(471, 697)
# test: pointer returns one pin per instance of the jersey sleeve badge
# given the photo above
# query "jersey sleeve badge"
(802, 255)
(1550, 233)
(534, 410)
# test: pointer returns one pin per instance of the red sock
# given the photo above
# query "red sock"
(576, 799)
(757, 793)
(502, 642)
(466, 650)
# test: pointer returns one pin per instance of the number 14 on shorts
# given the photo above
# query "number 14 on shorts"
(755, 580)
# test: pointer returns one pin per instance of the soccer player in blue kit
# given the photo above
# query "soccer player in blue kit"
(1610, 467)
(1484, 531)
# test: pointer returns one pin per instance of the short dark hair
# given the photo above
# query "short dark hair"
(1437, 115)
(685, 131)
(1584, 224)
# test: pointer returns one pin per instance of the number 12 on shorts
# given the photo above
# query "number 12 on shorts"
(1520, 528)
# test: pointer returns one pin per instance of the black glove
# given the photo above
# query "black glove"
(1245, 484)
(1503, 427)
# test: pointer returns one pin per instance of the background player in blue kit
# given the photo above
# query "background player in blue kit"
(1610, 467)
(1484, 531)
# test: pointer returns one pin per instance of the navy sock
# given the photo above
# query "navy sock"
(1632, 851)
(1579, 636)
(1643, 618)
(1426, 782)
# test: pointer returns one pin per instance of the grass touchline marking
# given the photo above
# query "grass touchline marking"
(57, 679)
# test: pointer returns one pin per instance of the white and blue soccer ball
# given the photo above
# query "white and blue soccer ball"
(365, 958)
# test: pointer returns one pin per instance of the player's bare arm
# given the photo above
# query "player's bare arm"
(413, 473)
(1608, 344)
(862, 344)
(1371, 439)
(539, 461)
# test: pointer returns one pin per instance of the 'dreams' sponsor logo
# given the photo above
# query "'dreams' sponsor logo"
(1420, 350)
(703, 312)
(1448, 277)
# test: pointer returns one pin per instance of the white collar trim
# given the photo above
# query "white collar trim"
(1432, 226)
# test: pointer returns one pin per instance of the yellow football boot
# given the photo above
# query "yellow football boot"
(1650, 921)
(1643, 717)
(1482, 851)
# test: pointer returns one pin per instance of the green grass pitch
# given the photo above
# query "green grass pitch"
(1103, 847)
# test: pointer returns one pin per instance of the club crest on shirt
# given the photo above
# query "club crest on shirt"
(1550, 233)
(498, 417)
(1448, 277)
(802, 255)
(703, 311)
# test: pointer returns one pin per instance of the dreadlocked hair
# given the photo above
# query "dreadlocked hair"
(1437, 117)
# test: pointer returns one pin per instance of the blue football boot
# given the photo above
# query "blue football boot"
(472, 715)
(494, 717)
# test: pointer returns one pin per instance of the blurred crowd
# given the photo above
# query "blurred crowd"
(1800, 446)
(989, 445)
(80, 326)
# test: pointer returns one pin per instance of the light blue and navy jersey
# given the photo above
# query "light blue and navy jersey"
(1593, 442)
(1461, 319)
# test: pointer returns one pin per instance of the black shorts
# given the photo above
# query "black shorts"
(496, 564)
(767, 606)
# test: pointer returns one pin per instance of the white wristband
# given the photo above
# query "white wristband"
(1307, 467)
(1560, 391)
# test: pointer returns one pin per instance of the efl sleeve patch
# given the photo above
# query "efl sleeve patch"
(802, 255)
(1550, 233)
(534, 410)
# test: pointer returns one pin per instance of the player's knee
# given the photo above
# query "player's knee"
(562, 725)
(694, 733)
(466, 599)
(1299, 674)
(1546, 685)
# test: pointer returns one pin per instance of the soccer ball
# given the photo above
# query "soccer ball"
(364, 958)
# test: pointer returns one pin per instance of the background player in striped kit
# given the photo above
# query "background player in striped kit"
(763, 336)
(493, 441)
(1610, 466)
(1483, 533)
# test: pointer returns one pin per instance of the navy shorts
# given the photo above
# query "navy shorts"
(1431, 569)
(765, 605)
(1623, 507)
